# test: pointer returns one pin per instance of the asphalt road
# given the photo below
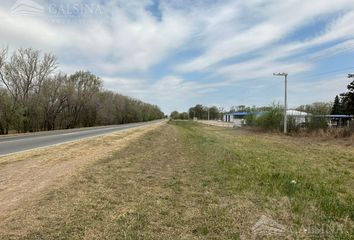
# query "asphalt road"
(18, 143)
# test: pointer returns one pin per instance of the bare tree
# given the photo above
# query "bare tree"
(36, 98)
(52, 99)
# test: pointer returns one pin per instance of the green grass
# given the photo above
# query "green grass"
(315, 181)
(189, 181)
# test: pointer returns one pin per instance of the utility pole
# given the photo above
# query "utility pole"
(285, 75)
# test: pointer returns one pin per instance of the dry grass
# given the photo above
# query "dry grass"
(190, 181)
(335, 135)
(25, 174)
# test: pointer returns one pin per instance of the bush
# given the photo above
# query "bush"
(293, 127)
(250, 119)
(272, 119)
(316, 123)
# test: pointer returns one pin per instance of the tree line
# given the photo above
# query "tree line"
(35, 96)
(344, 103)
(198, 111)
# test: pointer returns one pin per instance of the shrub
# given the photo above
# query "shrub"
(250, 119)
(272, 119)
(293, 127)
(316, 123)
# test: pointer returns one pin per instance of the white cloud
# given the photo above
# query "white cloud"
(170, 91)
(131, 39)
(237, 40)
(277, 20)
(343, 47)
(169, 87)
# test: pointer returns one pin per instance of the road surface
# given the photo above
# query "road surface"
(18, 143)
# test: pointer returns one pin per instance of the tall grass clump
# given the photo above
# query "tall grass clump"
(349, 131)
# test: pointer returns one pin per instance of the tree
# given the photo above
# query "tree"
(317, 108)
(174, 115)
(184, 116)
(52, 100)
(199, 111)
(214, 113)
(5, 112)
(11, 115)
(337, 106)
(83, 89)
(348, 99)
(34, 97)
(23, 76)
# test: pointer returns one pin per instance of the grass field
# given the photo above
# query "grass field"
(189, 181)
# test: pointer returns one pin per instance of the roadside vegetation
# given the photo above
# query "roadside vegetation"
(36, 96)
(271, 118)
(190, 181)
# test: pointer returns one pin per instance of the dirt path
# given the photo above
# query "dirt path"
(26, 174)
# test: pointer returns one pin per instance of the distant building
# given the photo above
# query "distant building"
(237, 118)
(300, 117)
(337, 120)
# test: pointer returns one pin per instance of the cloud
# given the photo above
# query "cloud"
(166, 88)
(176, 52)
(343, 47)
(130, 39)
(172, 92)
(277, 20)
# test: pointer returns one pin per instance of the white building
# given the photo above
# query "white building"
(238, 118)
(300, 117)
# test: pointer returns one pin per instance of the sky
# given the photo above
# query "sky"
(177, 53)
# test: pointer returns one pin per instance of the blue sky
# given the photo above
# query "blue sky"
(178, 53)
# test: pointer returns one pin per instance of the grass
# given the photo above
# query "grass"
(190, 181)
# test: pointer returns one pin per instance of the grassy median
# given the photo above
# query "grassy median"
(190, 181)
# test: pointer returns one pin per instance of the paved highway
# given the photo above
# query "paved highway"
(18, 143)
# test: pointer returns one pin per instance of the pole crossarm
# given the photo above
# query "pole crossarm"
(280, 74)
